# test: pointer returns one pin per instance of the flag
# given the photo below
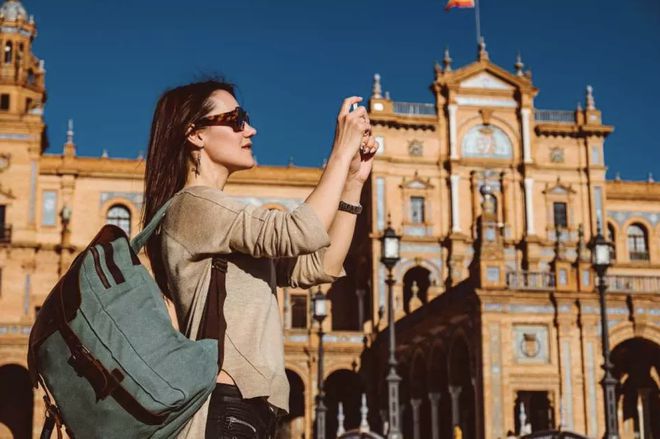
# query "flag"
(459, 4)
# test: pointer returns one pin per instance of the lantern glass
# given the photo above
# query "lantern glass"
(320, 308)
(391, 247)
(601, 257)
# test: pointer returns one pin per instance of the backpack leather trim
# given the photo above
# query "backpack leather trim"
(63, 303)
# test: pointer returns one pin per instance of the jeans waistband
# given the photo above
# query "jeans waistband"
(227, 390)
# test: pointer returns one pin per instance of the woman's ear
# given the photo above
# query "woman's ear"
(196, 138)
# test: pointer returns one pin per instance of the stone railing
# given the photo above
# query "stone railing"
(618, 283)
(5, 234)
(555, 116)
(530, 280)
(414, 109)
(638, 256)
(332, 337)
(15, 328)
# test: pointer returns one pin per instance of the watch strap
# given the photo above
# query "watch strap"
(350, 208)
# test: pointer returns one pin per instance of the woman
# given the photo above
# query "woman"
(199, 137)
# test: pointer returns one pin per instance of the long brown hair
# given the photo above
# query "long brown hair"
(169, 155)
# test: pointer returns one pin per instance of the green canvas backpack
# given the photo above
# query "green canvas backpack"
(104, 347)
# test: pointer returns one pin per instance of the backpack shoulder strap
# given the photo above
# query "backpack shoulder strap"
(141, 238)
(213, 324)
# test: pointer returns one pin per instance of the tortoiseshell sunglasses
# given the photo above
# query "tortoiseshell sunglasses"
(236, 119)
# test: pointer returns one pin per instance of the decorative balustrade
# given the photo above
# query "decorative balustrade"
(618, 283)
(329, 338)
(5, 234)
(555, 116)
(414, 109)
(530, 280)
(638, 256)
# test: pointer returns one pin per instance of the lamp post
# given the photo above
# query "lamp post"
(319, 313)
(600, 259)
(390, 246)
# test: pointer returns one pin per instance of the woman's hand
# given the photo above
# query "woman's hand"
(360, 167)
(351, 128)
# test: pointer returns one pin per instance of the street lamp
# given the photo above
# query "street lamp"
(319, 313)
(601, 250)
(390, 247)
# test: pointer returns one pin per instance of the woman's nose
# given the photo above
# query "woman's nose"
(249, 130)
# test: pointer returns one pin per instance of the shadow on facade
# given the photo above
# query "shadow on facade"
(15, 401)
(343, 386)
(293, 425)
(438, 380)
(637, 367)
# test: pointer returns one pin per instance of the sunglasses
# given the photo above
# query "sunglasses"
(236, 119)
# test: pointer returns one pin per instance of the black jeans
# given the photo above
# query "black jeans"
(232, 417)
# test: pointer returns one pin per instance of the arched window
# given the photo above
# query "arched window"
(611, 236)
(9, 51)
(637, 243)
(120, 216)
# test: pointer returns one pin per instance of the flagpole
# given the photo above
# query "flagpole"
(476, 15)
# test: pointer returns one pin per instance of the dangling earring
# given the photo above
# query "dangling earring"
(197, 158)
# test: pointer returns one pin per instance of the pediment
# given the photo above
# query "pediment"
(558, 189)
(416, 182)
(485, 81)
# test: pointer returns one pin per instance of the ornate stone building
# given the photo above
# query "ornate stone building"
(497, 316)
(496, 313)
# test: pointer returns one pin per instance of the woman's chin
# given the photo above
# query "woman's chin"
(244, 166)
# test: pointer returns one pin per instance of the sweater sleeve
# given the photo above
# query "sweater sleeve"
(207, 221)
(304, 271)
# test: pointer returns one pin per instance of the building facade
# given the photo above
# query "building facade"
(496, 200)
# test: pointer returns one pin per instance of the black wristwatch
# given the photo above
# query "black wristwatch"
(350, 208)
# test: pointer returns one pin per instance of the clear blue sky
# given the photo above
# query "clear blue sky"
(293, 60)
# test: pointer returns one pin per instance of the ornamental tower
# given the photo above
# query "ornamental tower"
(22, 134)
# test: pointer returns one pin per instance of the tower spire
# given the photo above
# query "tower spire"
(483, 54)
(519, 65)
(69, 132)
(69, 146)
(591, 102)
(376, 89)
(446, 61)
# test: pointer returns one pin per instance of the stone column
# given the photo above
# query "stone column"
(415, 403)
(286, 321)
(434, 398)
(527, 150)
(453, 152)
(507, 203)
(529, 205)
(360, 293)
(455, 393)
(644, 412)
(455, 214)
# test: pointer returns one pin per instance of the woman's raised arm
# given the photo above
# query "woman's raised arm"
(351, 127)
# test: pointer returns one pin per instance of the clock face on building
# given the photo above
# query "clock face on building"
(486, 141)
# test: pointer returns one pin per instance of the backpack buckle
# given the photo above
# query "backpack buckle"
(85, 365)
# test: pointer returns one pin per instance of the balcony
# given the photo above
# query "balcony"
(633, 284)
(554, 116)
(638, 256)
(5, 234)
(414, 109)
(530, 280)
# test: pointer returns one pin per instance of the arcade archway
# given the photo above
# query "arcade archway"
(637, 367)
(16, 401)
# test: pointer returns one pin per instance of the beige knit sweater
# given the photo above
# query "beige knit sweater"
(265, 248)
